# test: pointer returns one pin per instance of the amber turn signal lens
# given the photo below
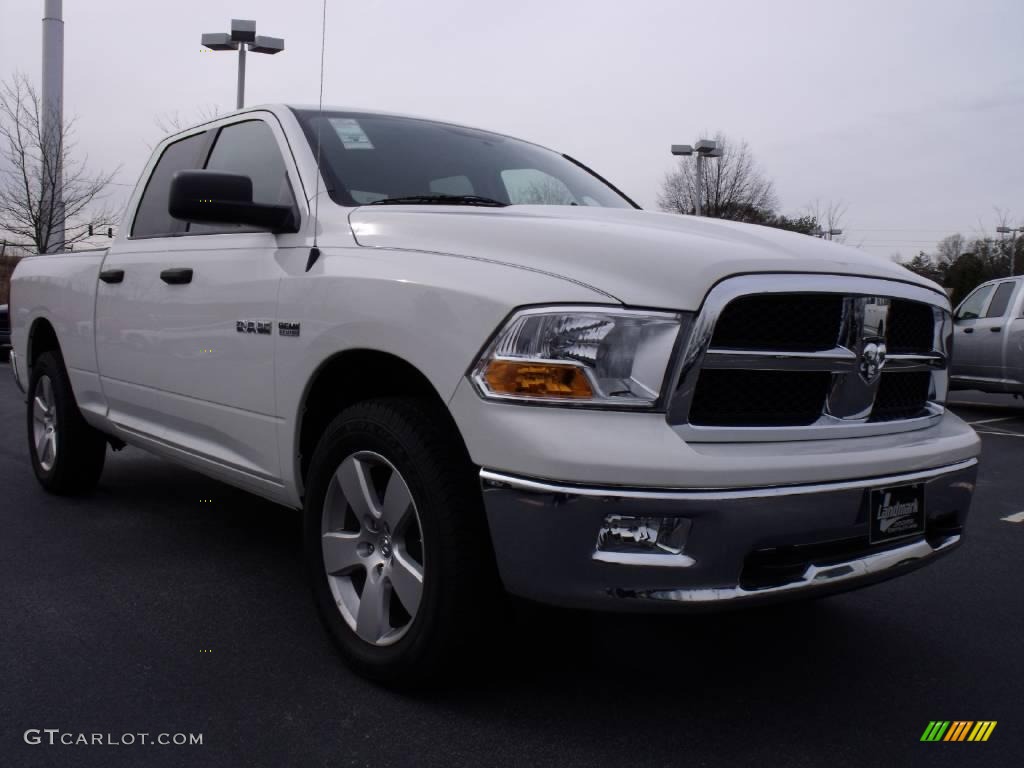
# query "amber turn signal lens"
(508, 377)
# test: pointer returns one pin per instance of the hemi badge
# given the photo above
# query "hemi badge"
(289, 329)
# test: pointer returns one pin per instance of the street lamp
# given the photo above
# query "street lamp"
(826, 234)
(703, 148)
(242, 35)
(1013, 244)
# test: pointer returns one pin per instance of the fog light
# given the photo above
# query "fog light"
(643, 540)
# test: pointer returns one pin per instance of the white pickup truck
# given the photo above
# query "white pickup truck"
(477, 366)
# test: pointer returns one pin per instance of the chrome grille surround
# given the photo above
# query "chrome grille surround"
(853, 362)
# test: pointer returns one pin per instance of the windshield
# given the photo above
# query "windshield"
(367, 159)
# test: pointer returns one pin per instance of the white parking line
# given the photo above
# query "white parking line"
(1000, 434)
(1017, 518)
(989, 406)
(993, 421)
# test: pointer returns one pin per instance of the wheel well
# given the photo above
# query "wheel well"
(42, 338)
(353, 376)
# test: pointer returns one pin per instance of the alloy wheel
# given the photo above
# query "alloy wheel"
(372, 544)
(44, 423)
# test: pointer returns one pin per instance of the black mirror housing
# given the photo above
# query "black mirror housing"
(212, 197)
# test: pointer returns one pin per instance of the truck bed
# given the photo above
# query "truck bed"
(61, 288)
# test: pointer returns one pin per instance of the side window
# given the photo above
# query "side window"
(249, 149)
(528, 186)
(1000, 300)
(151, 217)
(974, 304)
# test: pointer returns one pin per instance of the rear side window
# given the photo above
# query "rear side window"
(249, 149)
(1000, 300)
(152, 218)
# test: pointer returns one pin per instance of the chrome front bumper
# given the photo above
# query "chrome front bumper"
(13, 357)
(545, 538)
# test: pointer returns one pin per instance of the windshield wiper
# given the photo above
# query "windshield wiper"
(440, 200)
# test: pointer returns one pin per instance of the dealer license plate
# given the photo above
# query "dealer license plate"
(897, 512)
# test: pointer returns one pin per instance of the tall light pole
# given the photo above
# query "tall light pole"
(53, 124)
(242, 35)
(1012, 231)
(703, 148)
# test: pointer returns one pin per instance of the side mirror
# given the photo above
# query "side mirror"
(212, 197)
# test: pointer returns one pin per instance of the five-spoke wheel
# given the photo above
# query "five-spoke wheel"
(44, 423)
(67, 454)
(399, 558)
(373, 547)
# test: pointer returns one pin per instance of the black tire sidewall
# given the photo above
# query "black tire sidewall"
(358, 430)
(80, 449)
(50, 366)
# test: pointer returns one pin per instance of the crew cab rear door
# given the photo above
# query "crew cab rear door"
(185, 337)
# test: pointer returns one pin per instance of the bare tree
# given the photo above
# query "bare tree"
(734, 186)
(172, 122)
(829, 215)
(949, 249)
(32, 173)
(1010, 246)
(545, 191)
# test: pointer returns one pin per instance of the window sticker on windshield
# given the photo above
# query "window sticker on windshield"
(351, 133)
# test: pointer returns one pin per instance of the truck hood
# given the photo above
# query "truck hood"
(637, 257)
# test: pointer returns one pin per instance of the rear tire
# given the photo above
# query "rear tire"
(396, 541)
(67, 454)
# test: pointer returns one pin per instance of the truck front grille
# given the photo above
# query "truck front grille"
(911, 327)
(901, 395)
(759, 398)
(774, 353)
(765, 322)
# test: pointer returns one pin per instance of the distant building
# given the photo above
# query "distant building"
(10, 255)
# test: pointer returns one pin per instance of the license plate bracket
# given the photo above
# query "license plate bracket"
(896, 512)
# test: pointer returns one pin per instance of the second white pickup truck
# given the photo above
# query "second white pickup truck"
(476, 365)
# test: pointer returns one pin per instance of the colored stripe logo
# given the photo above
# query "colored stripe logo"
(958, 730)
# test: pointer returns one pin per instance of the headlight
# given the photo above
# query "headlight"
(580, 355)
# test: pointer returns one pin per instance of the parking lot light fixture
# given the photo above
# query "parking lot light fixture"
(242, 37)
(702, 149)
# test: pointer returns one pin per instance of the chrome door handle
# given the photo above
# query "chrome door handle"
(178, 276)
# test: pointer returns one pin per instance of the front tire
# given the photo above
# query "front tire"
(67, 454)
(396, 540)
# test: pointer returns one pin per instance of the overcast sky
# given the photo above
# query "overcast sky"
(909, 112)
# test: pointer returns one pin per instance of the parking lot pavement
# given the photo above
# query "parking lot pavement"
(998, 415)
(168, 602)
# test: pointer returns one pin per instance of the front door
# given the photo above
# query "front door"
(967, 340)
(985, 337)
(184, 341)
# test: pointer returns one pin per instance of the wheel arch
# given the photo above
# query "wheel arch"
(42, 337)
(333, 387)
